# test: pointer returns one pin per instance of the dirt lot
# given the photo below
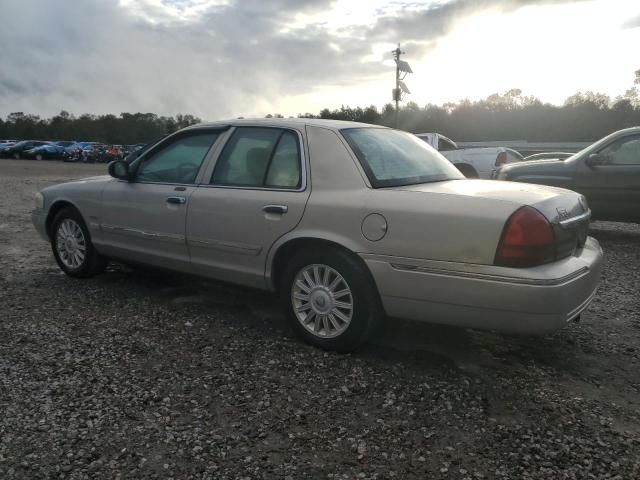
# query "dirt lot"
(134, 374)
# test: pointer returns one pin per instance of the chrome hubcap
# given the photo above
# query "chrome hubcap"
(70, 243)
(322, 301)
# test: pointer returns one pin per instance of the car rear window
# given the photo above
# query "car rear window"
(393, 158)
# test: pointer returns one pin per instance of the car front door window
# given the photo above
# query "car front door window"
(622, 152)
(178, 162)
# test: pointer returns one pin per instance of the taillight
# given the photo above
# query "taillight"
(501, 159)
(527, 240)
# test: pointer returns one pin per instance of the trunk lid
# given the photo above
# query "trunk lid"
(567, 211)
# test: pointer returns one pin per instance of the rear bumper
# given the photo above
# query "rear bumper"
(535, 300)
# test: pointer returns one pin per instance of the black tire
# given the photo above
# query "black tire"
(367, 314)
(39, 157)
(16, 156)
(93, 263)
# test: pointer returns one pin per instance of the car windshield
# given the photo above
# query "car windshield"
(393, 158)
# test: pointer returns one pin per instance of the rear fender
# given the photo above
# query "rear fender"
(309, 234)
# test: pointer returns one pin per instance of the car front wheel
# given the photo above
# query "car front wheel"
(330, 299)
(72, 247)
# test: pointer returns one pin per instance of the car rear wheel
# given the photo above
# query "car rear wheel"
(38, 157)
(330, 299)
(72, 247)
(16, 156)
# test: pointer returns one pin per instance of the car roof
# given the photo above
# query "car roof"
(629, 130)
(286, 122)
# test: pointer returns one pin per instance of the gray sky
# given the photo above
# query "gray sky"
(223, 58)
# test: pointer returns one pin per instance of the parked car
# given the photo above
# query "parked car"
(81, 145)
(131, 152)
(472, 162)
(346, 221)
(607, 173)
(3, 147)
(77, 152)
(17, 149)
(549, 156)
(113, 152)
(53, 150)
(127, 149)
(95, 153)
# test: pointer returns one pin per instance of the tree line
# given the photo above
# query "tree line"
(584, 117)
(127, 128)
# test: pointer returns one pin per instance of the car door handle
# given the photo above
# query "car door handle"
(281, 209)
(176, 200)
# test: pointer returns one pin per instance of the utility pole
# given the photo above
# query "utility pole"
(401, 67)
(396, 56)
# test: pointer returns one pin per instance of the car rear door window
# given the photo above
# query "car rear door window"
(178, 161)
(259, 158)
(284, 170)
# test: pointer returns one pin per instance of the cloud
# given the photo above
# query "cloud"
(437, 19)
(100, 56)
(212, 58)
(633, 23)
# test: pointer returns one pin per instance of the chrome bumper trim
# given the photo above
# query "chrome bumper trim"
(493, 278)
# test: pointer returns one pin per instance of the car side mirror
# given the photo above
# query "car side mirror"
(119, 169)
(594, 159)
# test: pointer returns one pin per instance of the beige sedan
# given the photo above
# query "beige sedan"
(349, 223)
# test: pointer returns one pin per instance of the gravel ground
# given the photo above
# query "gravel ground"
(138, 375)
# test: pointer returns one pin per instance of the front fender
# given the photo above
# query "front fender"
(53, 206)
(84, 195)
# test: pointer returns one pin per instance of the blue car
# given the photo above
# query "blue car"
(17, 150)
(53, 150)
(5, 146)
